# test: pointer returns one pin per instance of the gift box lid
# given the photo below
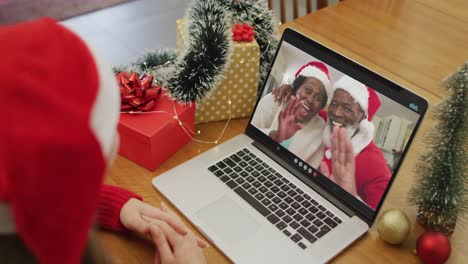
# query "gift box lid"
(182, 32)
(143, 126)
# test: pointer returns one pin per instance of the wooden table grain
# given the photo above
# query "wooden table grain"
(416, 43)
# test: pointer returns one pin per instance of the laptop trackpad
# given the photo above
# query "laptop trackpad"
(229, 222)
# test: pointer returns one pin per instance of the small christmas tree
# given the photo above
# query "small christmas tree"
(441, 193)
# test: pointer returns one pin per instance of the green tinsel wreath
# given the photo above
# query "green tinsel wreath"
(191, 76)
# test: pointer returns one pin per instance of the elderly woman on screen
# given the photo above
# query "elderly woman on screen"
(296, 124)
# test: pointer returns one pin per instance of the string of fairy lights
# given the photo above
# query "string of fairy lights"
(186, 128)
(256, 14)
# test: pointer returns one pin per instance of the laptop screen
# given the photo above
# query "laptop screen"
(339, 123)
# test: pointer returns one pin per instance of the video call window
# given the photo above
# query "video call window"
(323, 97)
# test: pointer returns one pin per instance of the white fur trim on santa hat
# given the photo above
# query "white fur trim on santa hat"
(106, 109)
(359, 141)
(312, 71)
(356, 89)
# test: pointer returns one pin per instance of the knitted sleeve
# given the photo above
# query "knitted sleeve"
(110, 202)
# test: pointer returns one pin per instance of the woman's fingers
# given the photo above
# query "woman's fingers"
(288, 107)
(163, 248)
(139, 225)
(149, 213)
(201, 243)
(297, 104)
(292, 106)
(171, 235)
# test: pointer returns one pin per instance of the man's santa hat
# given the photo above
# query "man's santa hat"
(314, 69)
(365, 96)
(369, 102)
(60, 106)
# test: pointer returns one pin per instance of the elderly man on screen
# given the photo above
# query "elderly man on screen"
(351, 159)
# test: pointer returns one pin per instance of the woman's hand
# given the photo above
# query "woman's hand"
(174, 248)
(137, 216)
(287, 127)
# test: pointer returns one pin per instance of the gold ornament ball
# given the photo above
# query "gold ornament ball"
(394, 226)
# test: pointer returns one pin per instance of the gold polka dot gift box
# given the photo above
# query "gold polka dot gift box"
(236, 93)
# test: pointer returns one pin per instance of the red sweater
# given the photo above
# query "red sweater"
(110, 202)
(372, 174)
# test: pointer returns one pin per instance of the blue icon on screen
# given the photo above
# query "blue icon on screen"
(414, 106)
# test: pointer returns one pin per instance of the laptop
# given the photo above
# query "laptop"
(262, 201)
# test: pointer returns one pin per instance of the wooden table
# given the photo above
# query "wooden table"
(415, 43)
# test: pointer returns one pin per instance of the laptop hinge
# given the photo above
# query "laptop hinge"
(300, 175)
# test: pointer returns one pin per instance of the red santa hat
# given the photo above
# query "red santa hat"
(365, 96)
(314, 69)
(369, 102)
(61, 107)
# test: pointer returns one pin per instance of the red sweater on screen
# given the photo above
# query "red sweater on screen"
(372, 174)
(110, 202)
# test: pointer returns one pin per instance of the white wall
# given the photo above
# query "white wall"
(291, 59)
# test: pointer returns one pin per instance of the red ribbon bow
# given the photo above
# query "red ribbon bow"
(243, 32)
(137, 93)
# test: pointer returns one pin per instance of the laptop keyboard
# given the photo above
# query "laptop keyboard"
(292, 211)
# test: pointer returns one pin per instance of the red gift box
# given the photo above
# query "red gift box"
(151, 138)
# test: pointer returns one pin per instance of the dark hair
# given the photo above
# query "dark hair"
(299, 81)
(13, 251)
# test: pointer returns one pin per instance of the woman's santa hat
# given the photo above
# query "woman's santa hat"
(369, 102)
(60, 106)
(314, 69)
